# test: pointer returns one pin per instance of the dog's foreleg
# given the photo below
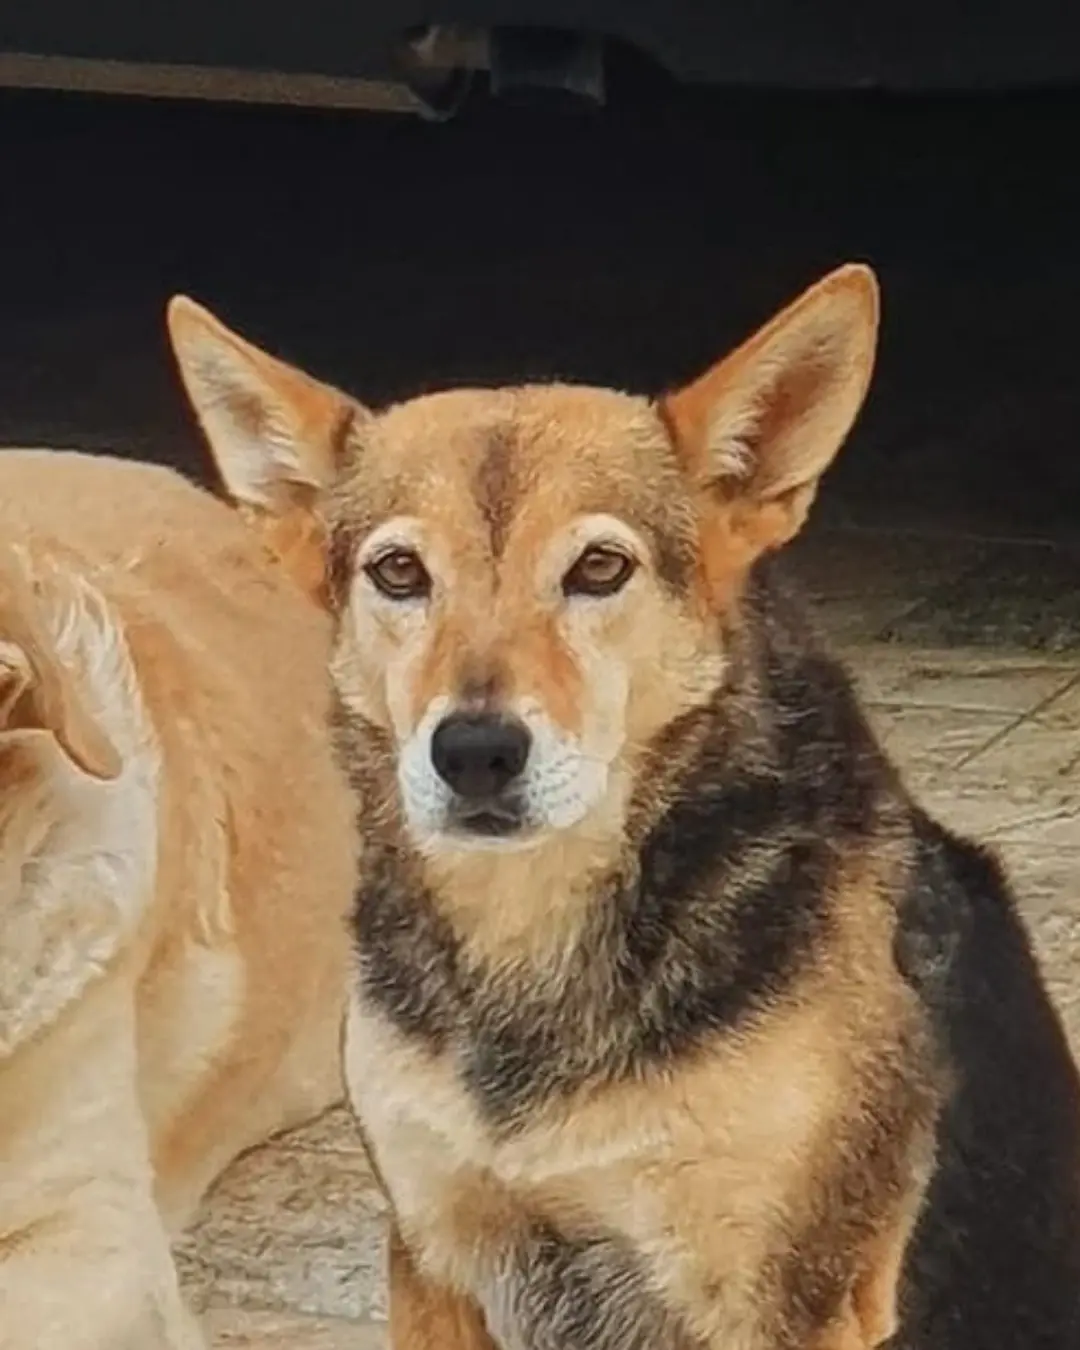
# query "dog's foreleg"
(870, 1315)
(75, 1283)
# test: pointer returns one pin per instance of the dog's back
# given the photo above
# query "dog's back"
(187, 906)
(995, 1260)
(230, 659)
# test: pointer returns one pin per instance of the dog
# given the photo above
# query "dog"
(676, 1023)
(178, 857)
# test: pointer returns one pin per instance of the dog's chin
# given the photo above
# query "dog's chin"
(481, 830)
(459, 840)
(492, 826)
(494, 835)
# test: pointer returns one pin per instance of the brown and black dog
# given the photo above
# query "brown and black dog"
(676, 1023)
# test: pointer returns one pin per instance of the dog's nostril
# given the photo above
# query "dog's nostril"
(479, 756)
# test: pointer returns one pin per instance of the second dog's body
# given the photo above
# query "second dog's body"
(177, 860)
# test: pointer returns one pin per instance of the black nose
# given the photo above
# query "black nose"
(479, 756)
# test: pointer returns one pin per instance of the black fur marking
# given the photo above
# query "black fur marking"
(417, 960)
(582, 1294)
(675, 558)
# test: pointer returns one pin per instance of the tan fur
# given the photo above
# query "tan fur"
(173, 964)
(713, 1166)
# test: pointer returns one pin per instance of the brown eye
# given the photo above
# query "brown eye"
(599, 571)
(400, 575)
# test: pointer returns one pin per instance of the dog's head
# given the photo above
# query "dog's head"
(529, 580)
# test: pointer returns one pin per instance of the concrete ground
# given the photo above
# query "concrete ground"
(976, 692)
(629, 249)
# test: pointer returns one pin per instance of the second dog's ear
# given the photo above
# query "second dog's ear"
(278, 436)
(756, 432)
(275, 433)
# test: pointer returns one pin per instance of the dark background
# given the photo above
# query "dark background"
(629, 246)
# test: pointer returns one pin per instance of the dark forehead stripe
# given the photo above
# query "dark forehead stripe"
(496, 486)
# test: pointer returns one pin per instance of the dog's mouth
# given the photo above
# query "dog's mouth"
(493, 819)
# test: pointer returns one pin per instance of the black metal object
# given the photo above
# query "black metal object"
(551, 60)
(830, 44)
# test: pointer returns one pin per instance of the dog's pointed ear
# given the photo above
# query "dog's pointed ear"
(37, 693)
(756, 432)
(275, 433)
(278, 436)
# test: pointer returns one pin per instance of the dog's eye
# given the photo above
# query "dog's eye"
(400, 575)
(600, 570)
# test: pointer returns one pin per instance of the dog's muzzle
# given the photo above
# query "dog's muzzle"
(481, 759)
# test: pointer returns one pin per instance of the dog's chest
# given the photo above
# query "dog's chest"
(427, 1123)
(685, 1184)
(520, 1116)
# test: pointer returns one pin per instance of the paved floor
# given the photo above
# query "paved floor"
(974, 682)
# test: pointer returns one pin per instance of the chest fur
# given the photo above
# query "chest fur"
(692, 1173)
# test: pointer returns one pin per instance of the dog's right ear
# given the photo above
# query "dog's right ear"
(277, 436)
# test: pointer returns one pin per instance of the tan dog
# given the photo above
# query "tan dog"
(176, 860)
(677, 1024)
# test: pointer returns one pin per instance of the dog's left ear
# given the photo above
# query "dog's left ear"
(756, 432)
(277, 435)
